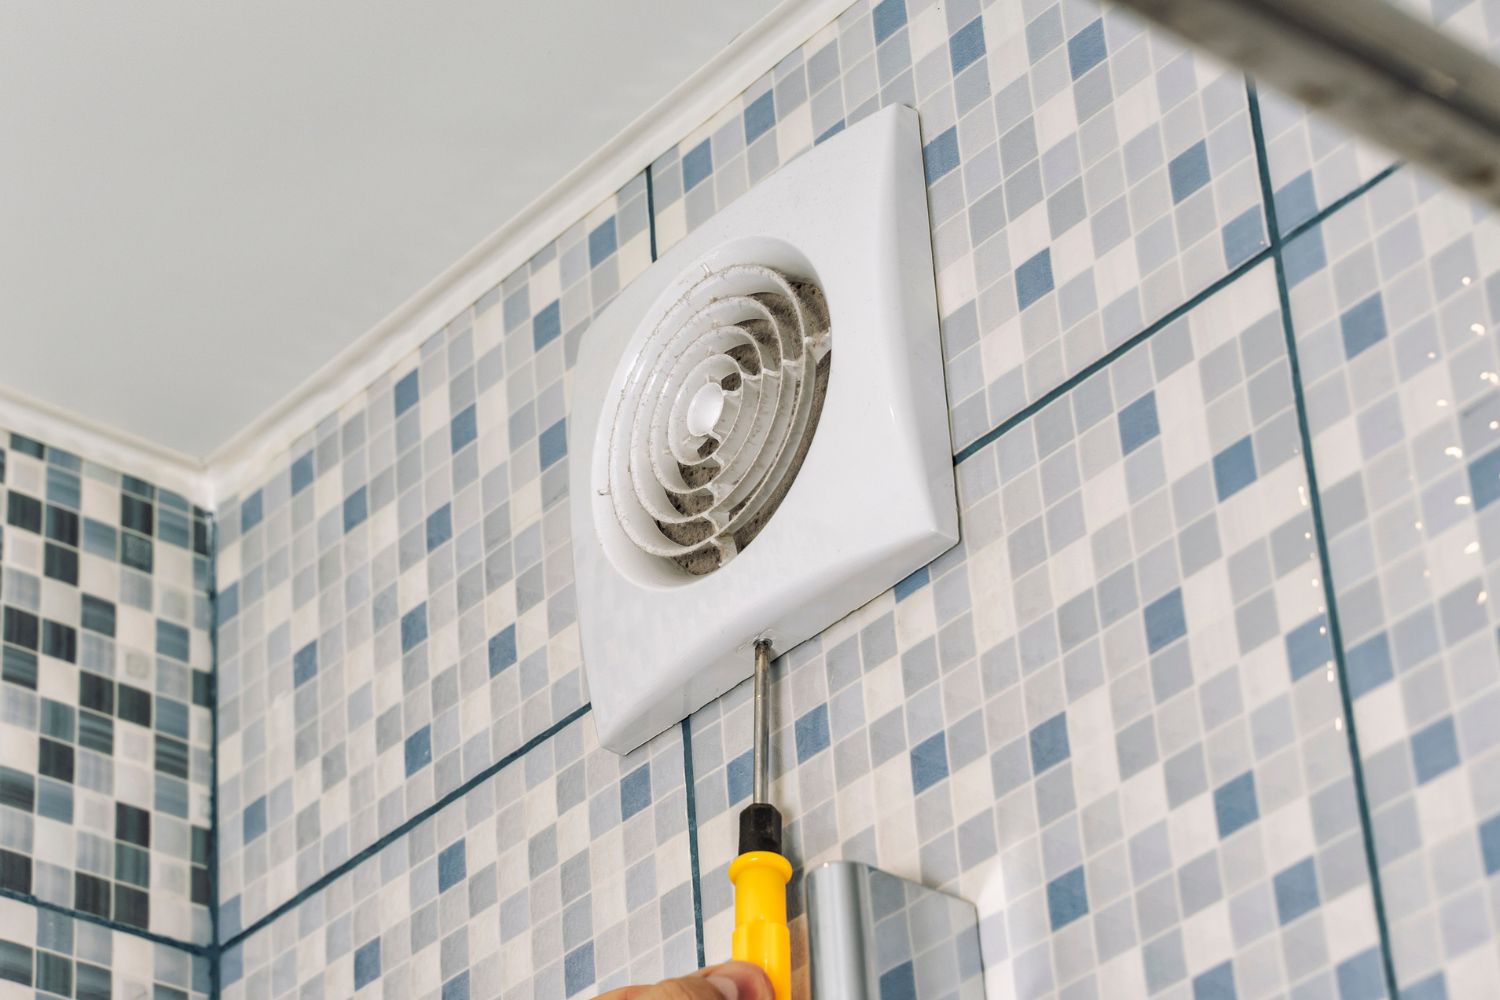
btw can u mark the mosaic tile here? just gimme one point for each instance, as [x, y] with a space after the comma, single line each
[1108, 717]
[565, 874]
[1396, 317]
[105, 690]
[397, 609]
[43, 953]
[1085, 175]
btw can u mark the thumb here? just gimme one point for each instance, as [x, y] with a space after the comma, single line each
[739, 981]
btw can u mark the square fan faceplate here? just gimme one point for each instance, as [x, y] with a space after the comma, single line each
[759, 431]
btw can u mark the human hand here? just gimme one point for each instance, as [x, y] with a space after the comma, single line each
[730, 981]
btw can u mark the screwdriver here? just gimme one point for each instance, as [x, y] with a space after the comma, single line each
[761, 872]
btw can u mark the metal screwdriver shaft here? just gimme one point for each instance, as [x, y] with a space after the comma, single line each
[761, 756]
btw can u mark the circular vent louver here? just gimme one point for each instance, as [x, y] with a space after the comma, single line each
[717, 413]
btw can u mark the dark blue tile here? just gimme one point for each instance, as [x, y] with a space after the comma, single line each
[602, 242]
[1244, 236]
[1434, 750]
[547, 326]
[697, 165]
[232, 965]
[1484, 479]
[760, 116]
[356, 508]
[1489, 844]
[1296, 890]
[1166, 622]
[367, 963]
[414, 627]
[578, 969]
[1138, 423]
[502, 649]
[1234, 468]
[457, 988]
[251, 511]
[1361, 977]
[1235, 803]
[1215, 984]
[1296, 201]
[888, 17]
[254, 819]
[812, 733]
[452, 866]
[635, 791]
[1049, 743]
[940, 156]
[1369, 665]
[552, 444]
[439, 526]
[305, 664]
[1188, 170]
[1363, 326]
[737, 776]
[1067, 898]
[1034, 279]
[911, 584]
[929, 763]
[899, 983]
[967, 45]
[408, 392]
[1434, 987]
[830, 132]
[172, 641]
[1302, 256]
[1308, 647]
[465, 429]
[1086, 49]
[418, 750]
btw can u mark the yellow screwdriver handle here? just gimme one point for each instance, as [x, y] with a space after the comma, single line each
[761, 936]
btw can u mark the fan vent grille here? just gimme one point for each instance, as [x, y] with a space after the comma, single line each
[717, 413]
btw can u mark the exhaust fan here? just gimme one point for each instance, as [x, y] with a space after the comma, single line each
[759, 433]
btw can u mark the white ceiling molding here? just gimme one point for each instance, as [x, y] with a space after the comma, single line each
[240, 462]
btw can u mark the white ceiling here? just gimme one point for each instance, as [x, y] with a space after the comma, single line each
[201, 203]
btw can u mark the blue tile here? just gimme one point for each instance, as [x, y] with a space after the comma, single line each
[1234, 468]
[1166, 622]
[414, 628]
[230, 923]
[1235, 804]
[502, 649]
[232, 965]
[697, 165]
[1363, 326]
[1188, 170]
[929, 763]
[303, 473]
[251, 511]
[1434, 750]
[367, 963]
[1302, 256]
[547, 326]
[1138, 423]
[1296, 201]
[171, 641]
[305, 664]
[888, 17]
[1087, 49]
[1243, 236]
[1489, 844]
[1484, 479]
[255, 819]
[1368, 665]
[356, 508]
[464, 430]
[452, 866]
[439, 526]
[812, 733]
[1215, 984]
[966, 45]
[830, 132]
[1067, 898]
[457, 988]
[1434, 987]
[418, 750]
[1034, 279]
[1361, 977]
[760, 116]
[899, 983]
[737, 775]
[602, 242]
[635, 791]
[1049, 743]
[1308, 647]
[911, 584]
[940, 156]
[408, 391]
[578, 969]
[552, 444]
[1296, 890]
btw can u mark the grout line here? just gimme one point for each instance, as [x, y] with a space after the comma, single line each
[1320, 534]
[692, 822]
[202, 951]
[421, 817]
[213, 756]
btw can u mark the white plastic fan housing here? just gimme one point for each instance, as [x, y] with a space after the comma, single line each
[758, 442]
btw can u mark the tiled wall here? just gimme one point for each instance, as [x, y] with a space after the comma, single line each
[1201, 705]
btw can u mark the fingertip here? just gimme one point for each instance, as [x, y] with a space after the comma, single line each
[740, 981]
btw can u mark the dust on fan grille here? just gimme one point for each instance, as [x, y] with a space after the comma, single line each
[717, 413]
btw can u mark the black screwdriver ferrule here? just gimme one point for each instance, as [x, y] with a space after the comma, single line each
[760, 828]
